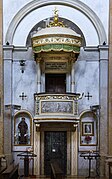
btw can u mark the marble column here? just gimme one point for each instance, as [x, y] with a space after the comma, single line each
[73, 77]
[1, 84]
[38, 76]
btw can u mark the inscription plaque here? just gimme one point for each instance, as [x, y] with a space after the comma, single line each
[56, 66]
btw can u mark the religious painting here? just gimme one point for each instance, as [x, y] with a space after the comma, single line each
[88, 131]
[22, 131]
[87, 128]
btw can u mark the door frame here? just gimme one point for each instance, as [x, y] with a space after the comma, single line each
[72, 148]
[64, 152]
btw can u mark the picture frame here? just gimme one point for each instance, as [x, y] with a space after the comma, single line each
[87, 128]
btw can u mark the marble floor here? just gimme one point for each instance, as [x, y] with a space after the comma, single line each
[68, 177]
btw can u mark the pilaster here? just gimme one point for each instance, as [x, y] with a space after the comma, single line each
[110, 84]
[8, 97]
[109, 157]
[103, 99]
[74, 153]
[1, 83]
[36, 151]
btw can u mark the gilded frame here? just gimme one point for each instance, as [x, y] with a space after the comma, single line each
[87, 128]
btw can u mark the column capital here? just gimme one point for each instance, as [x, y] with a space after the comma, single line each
[104, 51]
[38, 59]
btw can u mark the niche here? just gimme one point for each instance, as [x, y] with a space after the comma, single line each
[22, 128]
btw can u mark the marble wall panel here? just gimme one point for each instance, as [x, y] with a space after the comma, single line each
[89, 54]
[23, 53]
[7, 135]
[7, 81]
[87, 80]
[24, 82]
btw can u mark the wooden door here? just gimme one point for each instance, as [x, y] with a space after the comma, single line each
[55, 147]
[55, 83]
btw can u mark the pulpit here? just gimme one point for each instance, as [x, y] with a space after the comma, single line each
[26, 157]
[91, 156]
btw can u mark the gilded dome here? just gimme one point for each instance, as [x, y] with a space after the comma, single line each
[56, 31]
[56, 37]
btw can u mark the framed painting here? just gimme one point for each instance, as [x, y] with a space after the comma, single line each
[88, 128]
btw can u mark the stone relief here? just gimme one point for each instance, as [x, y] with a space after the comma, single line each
[56, 107]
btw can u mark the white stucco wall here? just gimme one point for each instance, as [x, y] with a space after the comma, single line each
[12, 7]
[101, 8]
[69, 13]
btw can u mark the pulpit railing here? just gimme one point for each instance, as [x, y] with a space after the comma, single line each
[56, 105]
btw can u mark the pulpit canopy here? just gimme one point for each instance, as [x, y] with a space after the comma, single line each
[56, 38]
